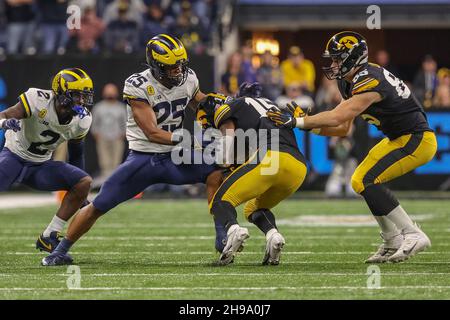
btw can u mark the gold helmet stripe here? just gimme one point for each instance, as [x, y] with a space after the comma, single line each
[80, 72]
[171, 40]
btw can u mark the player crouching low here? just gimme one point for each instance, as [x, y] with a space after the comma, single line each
[272, 173]
[35, 126]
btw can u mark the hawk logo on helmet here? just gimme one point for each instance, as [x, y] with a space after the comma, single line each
[348, 41]
[347, 50]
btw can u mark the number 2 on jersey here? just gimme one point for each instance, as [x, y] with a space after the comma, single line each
[35, 147]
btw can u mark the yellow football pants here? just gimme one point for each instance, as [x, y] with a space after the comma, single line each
[262, 185]
[390, 159]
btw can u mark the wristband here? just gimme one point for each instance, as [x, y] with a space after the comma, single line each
[300, 122]
[177, 136]
[316, 130]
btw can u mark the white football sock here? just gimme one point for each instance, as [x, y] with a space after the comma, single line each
[387, 227]
[57, 224]
[270, 233]
[401, 219]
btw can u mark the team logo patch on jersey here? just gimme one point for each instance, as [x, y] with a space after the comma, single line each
[150, 90]
[42, 113]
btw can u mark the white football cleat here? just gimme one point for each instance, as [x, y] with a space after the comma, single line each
[236, 237]
[414, 242]
[274, 245]
[386, 249]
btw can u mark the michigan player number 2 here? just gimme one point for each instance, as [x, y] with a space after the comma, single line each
[36, 147]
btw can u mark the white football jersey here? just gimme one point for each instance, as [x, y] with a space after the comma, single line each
[168, 105]
[41, 132]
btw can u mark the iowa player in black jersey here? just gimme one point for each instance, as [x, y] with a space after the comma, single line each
[274, 171]
[385, 101]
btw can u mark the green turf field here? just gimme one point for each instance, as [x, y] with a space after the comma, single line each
[165, 250]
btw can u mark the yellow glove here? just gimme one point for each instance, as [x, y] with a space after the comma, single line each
[296, 110]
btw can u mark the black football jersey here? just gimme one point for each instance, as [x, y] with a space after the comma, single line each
[250, 113]
[399, 112]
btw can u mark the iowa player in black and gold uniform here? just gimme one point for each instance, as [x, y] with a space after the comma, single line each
[271, 174]
[385, 101]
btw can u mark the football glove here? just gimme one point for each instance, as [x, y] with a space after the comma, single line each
[10, 124]
[286, 117]
[296, 110]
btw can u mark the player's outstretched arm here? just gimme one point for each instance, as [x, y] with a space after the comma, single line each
[341, 130]
[345, 111]
[146, 120]
[9, 119]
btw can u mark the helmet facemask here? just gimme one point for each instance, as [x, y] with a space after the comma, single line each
[79, 102]
[162, 72]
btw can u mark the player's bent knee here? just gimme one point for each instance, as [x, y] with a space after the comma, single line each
[83, 186]
[249, 208]
[357, 183]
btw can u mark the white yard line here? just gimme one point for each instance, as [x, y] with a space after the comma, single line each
[149, 238]
[106, 253]
[300, 288]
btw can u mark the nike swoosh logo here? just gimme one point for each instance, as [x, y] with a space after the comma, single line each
[47, 246]
[409, 251]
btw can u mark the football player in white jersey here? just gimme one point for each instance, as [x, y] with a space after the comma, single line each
[35, 126]
[156, 101]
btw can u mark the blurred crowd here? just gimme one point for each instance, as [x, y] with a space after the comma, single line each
[295, 77]
[119, 26]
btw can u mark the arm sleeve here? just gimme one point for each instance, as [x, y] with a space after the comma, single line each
[76, 153]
